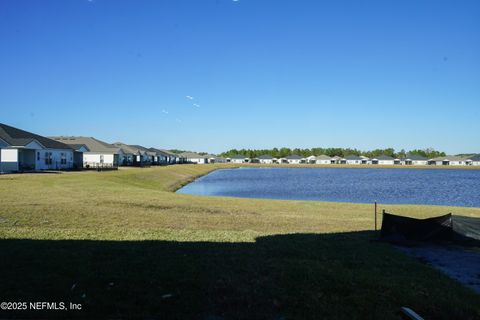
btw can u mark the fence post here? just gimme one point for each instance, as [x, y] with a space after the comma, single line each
[375, 215]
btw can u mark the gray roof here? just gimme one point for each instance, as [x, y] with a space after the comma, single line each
[191, 155]
[323, 157]
[239, 156]
[128, 149]
[383, 157]
[77, 147]
[265, 157]
[450, 158]
[166, 152]
[336, 158]
[92, 144]
[475, 157]
[143, 149]
[20, 138]
[353, 157]
[415, 157]
[162, 152]
[294, 157]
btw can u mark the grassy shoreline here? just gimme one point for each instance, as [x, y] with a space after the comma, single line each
[215, 256]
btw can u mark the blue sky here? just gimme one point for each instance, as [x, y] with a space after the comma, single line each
[362, 74]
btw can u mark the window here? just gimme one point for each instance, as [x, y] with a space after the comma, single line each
[101, 158]
[63, 158]
[38, 156]
[48, 158]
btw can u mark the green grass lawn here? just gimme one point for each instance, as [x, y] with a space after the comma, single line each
[123, 244]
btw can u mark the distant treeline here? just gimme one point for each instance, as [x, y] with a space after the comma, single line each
[341, 152]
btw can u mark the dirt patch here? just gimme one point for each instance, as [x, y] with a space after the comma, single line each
[459, 263]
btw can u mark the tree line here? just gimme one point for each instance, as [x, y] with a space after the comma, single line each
[341, 152]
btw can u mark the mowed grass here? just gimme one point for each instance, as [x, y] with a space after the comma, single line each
[124, 245]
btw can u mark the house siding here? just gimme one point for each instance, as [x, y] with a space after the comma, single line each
[386, 162]
[354, 162]
[53, 159]
[98, 159]
[237, 161]
[419, 162]
[294, 161]
[8, 160]
[266, 161]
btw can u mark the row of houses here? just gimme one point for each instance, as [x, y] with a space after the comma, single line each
[414, 160]
[25, 151]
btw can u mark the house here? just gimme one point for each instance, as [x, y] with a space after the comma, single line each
[163, 156]
[149, 155]
[100, 155]
[323, 159]
[217, 160]
[415, 160]
[353, 160]
[265, 159]
[131, 156]
[171, 157]
[294, 159]
[311, 159]
[383, 160]
[336, 160]
[210, 157]
[24, 151]
[239, 159]
[449, 161]
[475, 160]
[193, 157]
[78, 151]
[366, 160]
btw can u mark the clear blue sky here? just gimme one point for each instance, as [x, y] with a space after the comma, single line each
[265, 73]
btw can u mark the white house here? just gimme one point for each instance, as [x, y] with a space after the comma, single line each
[294, 159]
[163, 157]
[239, 159]
[475, 160]
[383, 160]
[217, 160]
[25, 151]
[150, 157]
[336, 160]
[101, 154]
[78, 151]
[353, 160]
[194, 157]
[415, 160]
[323, 159]
[266, 159]
[449, 161]
[311, 159]
[171, 157]
[131, 155]
[366, 160]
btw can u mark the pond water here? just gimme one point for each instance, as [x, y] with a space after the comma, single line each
[388, 186]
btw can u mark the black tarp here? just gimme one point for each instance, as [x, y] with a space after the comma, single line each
[445, 228]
